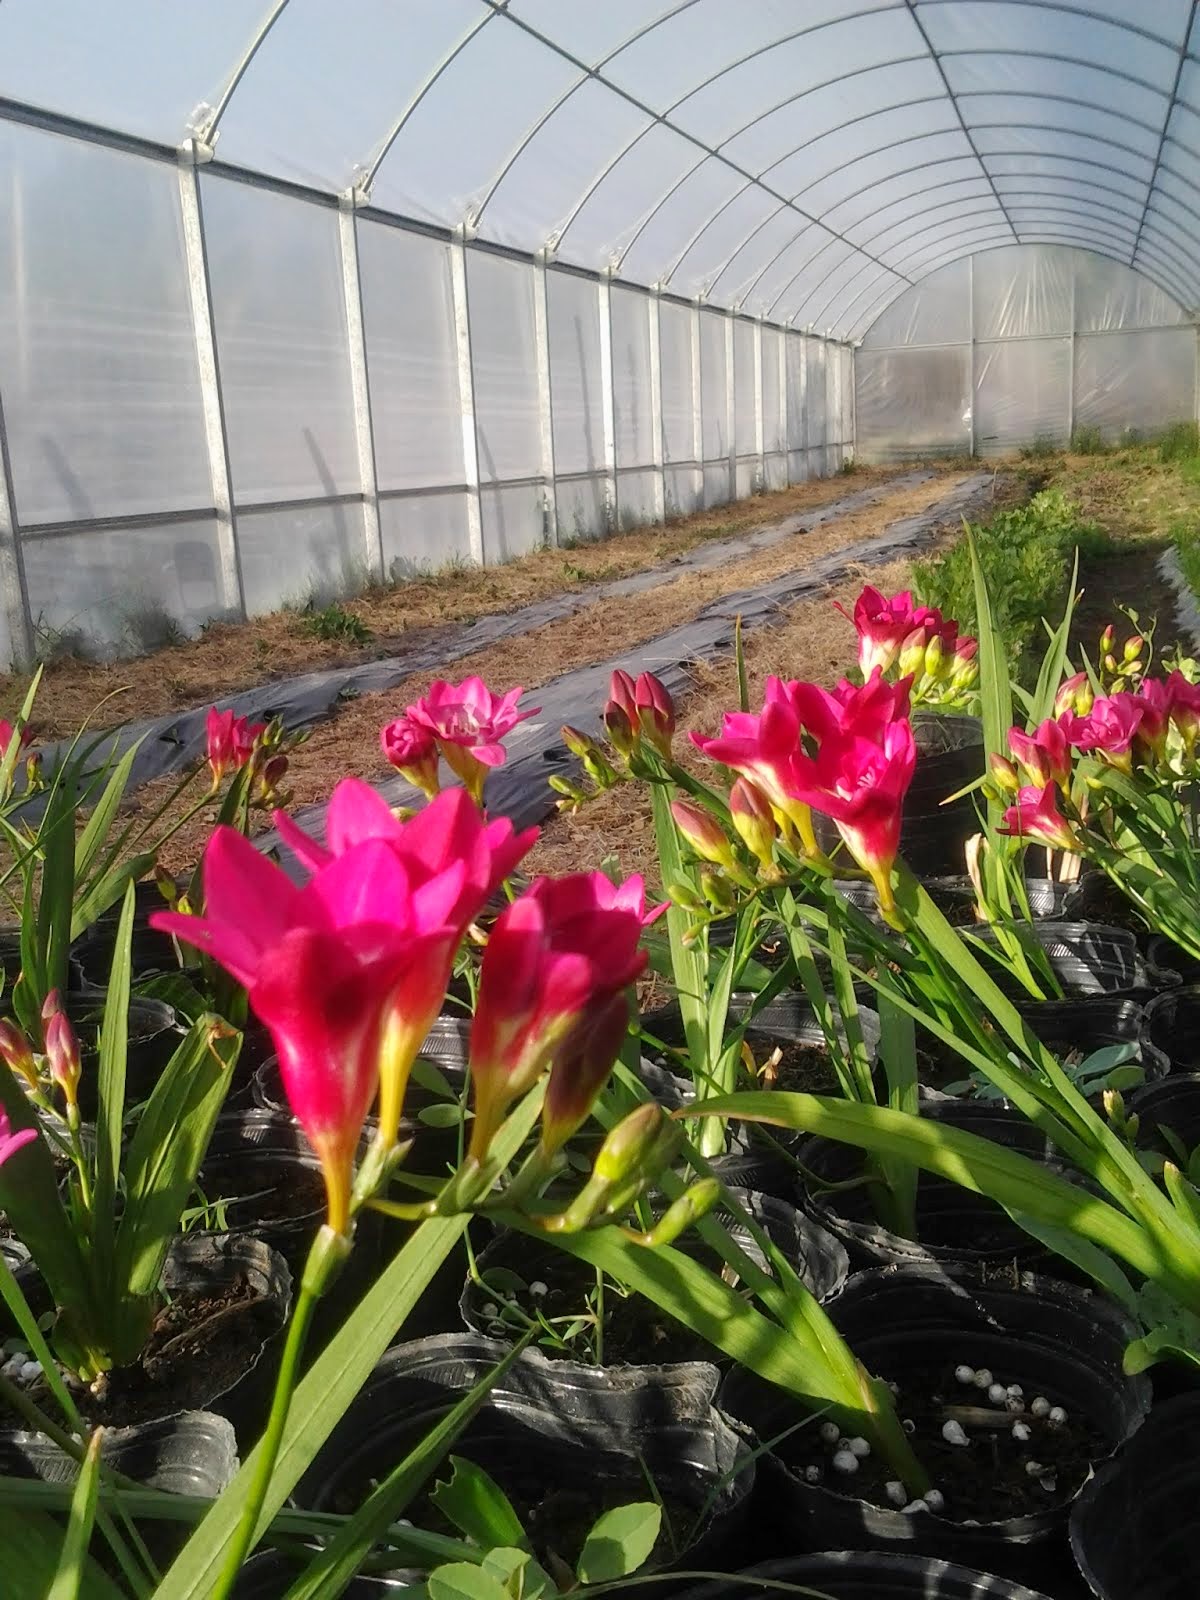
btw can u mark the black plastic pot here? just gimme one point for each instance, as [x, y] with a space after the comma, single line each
[1094, 1023]
[1133, 1529]
[29, 1280]
[1094, 897]
[549, 1432]
[153, 1038]
[1089, 958]
[955, 898]
[152, 951]
[192, 1453]
[1165, 953]
[239, 1387]
[914, 1325]
[954, 1225]
[862, 1575]
[1171, 1026]
[818, 1258]
[1172, 1104]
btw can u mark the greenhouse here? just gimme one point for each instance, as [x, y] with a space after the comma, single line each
[599, 764]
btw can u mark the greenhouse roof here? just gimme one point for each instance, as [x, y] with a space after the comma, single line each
[800, 160]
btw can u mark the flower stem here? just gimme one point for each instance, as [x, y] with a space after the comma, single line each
[328, 1252]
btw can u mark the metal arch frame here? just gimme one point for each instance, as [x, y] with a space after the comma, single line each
[205, 135]
[664, 116]
[819, 283]
[956, 108]
[875, 308]
[1059, 194]
[1170, 253]
[914, 194]
[1086, 12]
[1172, 102]
[370, 168]
[1048, 235]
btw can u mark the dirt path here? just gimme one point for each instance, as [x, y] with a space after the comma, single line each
[227, 658]
[350, 743]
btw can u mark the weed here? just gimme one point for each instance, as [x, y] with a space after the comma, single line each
[1041, 449]
[335, 624]
[848, 467]
[1180, 442]
[1026, 555]
[1088, 441]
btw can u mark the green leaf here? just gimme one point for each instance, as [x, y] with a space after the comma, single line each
[508, 1564]
[30, 1547]
[739, 655]
[114, 1041]
[620, 1542]
[332, 1381]
[432, 1079]
[478, 1507]
[459, 1580]
[91, 840]
[72, 1562]
[107, 890]
[443, 1116]
[1173, 1331]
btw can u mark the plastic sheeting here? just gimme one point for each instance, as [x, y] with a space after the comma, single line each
[1018, 345]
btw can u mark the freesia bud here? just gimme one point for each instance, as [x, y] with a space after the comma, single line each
[17, 1053]
[166, 885]
[622, 692]
[656, 712]
[912, 653]
[1114, 1107]
[231, 741]
[411, 748]
[1107, 639]
[702, 831]
[1110, 663]
[1133, 647]
[1005, 774]
[622, 733]
[681, 1214]
[581, 1070]
[1074, 695]
[62, 1054]
[934, 657]
[754, 820]
[626, 1149]
[683, 895]
[718, 891]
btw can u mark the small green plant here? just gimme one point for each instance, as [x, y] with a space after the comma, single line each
[1026, 554]
[1041, 449]
[1088, 441]
[848, 467]
[1179, 442]
[335, 624]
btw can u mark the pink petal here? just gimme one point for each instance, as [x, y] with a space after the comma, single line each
[307, 851]
[369, 884]
[357, 812]
[245, 892]
[225, 944]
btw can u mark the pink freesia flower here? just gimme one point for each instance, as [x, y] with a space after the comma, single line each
[1035, 814]
[1043, 755]
[655, 712]
[1185, 708]
[448, 844]
[859, 776]
[412, 750]
[1074, 695]
[1109, 728]
[231, 742]
[883, 625]
[351, 968]
[555, 960]
[1156, 698]
[7, 733]
[11, 1142]
[469, 722]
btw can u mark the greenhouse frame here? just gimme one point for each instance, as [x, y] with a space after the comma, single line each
[295, 296]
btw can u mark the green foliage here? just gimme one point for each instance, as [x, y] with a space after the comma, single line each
[1025, 559]
[1088, 441]
[335, 624]
[1041, 449]
[1180, 441]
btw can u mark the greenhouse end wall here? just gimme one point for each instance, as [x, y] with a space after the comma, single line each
[221, 397]
[1018, 346]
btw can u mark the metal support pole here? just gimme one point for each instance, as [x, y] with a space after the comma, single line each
[971, 386]
[854, 402]
[657, 435]
[466, 395]
[697, 401]
[730, 408]
[608, 411]
[1071, 385]
[13, 592]
[805, 430]
[785, 437]
[541, 341]
[364, 434]
[233, 595]
[761, 471]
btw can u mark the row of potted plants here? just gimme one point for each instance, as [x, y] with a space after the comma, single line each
[857, 1259]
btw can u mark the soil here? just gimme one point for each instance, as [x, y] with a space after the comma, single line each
[986, 1480]
[804, 1068]
[260, 1189]
[200, 1346]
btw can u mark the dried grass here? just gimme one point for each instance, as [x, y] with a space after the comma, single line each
[228, 657]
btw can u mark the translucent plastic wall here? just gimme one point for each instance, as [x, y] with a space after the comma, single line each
[220, 398]
[1021, 345]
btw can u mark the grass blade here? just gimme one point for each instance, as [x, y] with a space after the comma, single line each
[70, 1578]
